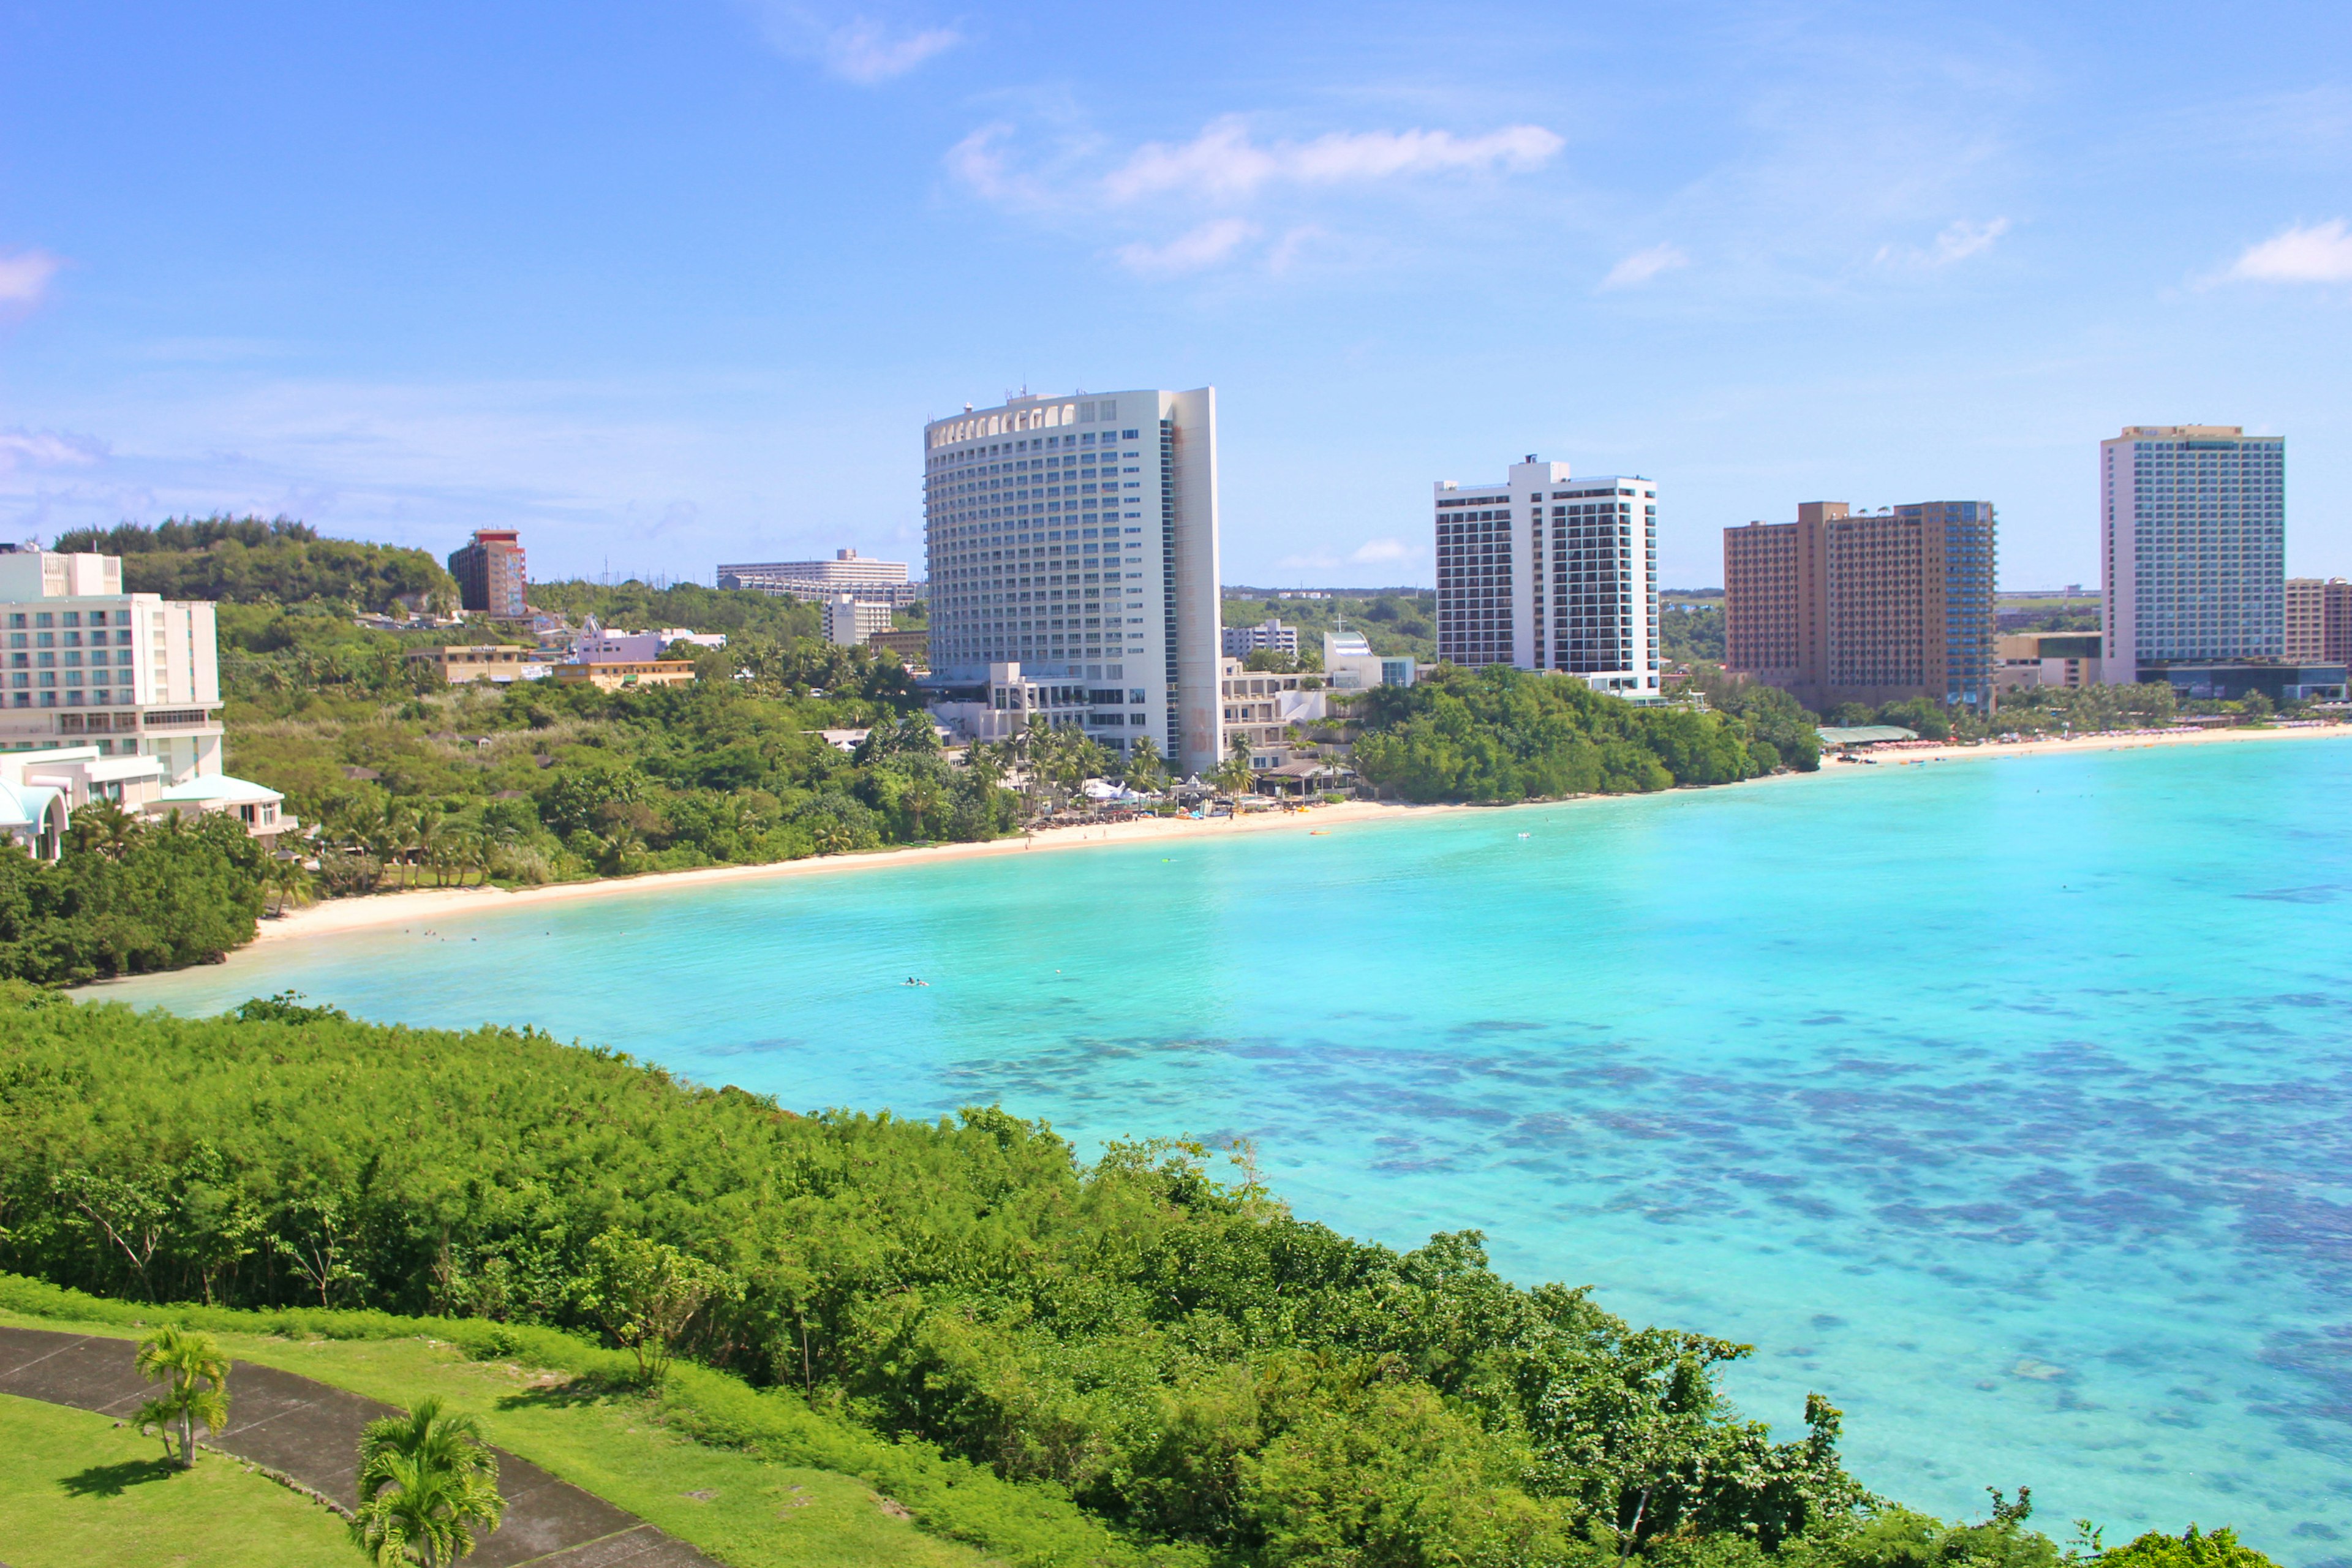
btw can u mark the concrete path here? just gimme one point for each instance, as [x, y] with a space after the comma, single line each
[311, 1432]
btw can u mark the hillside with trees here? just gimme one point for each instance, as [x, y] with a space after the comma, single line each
[1497, 734]
[247, 561]
[1140, 1344]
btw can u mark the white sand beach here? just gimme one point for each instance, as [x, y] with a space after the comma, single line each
[435, 903]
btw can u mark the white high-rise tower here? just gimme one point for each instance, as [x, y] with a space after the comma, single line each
[1077, 538]
[1545, 572]
[2193, 534]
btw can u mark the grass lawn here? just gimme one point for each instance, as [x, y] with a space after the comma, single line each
[741, 1510]
[78, 1492]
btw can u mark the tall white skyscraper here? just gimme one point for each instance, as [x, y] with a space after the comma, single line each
[1547, 572]
[2193, 519]
[1076, 537]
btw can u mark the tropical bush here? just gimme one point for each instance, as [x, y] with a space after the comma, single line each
[246, 559]
[128, 896]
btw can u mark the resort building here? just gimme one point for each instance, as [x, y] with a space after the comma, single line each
[1263, 709]
[1545, 572]
[850, 620]
[1072, 547]
[859, 576]
[110, 696]
[2024, 659]
[2318, 620]
[489, 572]
[1870, 607]
[593, 645]
[1351, 664]
[1273, 636]
[2193, 550]
[492, 662]
[913, 645]
[130, 674]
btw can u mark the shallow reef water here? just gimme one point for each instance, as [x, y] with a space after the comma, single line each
[2008, 1103]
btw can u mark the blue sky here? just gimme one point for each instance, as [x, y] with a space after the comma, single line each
[670, 284]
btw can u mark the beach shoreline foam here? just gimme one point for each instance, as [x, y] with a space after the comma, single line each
[339, 915]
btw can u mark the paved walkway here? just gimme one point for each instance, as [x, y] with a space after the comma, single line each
[311, 1432]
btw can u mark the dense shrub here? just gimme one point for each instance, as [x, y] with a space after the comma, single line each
[128, 896]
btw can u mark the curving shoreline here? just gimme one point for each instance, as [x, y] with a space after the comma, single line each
[431, 903]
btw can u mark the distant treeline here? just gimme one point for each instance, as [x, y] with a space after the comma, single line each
[249, 561]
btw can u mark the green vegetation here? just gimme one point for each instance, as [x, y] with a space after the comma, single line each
[426, 1483]
[411, 780]
[1393, 620]
[1504, 734]
[247, 561]
[1053, 1361]
[80, 1491]
[1690, 630]
[128, 896]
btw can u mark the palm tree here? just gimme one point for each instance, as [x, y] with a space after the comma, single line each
[1233, 778]
[289, 882]
[923, 794]
[193, 1371]
[1145, 770]
[426, 1480]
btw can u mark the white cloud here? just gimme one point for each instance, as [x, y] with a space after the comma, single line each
[1288, 250]
[25, 276]
[1205, 246]
[1311, 560]
[1644, 265]
[1374, 551]
[1960, 240]
[863, 50]
[45, 449]
[2321, 253]
[1223, 164]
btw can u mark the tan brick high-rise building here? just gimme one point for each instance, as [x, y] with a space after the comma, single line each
[2318, 620]
[1877, 607]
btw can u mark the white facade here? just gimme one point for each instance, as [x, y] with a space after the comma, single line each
[1242, 641]
[2193, 529]
[129, 674]
[1547, 572]
[1077, 538]
[1351, 664]
[884, 582]
[850, 620]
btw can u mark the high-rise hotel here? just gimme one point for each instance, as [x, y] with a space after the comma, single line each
[1072, 554]
[1545, 572]
[2192, 523]
[1869, 607]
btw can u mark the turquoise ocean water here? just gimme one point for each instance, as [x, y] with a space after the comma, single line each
[2007, 1103]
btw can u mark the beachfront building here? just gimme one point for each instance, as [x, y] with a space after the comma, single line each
[1868, 607]
[1263, 710]
[2193, 550]
[1548, 572]
[489, 572]
[2318, 620]
[1272, 636]
[861, 578]
[110, 696]
[2026, 659]
[1072, 548]
[1351, 664]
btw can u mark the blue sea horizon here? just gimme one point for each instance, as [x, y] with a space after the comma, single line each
[2005, 1103]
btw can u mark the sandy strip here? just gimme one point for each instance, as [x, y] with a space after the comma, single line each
[434, 903]
[2118, 741]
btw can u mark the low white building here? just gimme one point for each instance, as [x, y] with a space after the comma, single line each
[596, 645]
[1263, 707]
[1242, 641]
[1351, 664]
[1000, 707]
[41, 789]
[850, 620]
